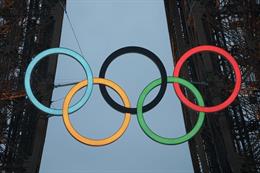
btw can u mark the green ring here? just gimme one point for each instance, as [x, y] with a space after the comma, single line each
[154, 136]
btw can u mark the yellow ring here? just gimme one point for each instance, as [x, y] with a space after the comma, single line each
[89, 141]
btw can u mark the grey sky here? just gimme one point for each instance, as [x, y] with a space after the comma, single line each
[102, 27]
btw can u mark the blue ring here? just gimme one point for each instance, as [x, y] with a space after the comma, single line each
[74, 55]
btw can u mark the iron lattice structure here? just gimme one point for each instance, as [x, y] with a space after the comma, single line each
[26, 28]
[230, 139]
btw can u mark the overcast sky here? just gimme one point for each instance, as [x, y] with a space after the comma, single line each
[103, 26]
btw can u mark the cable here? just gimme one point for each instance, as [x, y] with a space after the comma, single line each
[71, 26]
[65, 84]
[77, 40]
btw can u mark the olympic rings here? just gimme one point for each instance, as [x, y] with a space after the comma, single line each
[148, 54]
[95, 142]
[154, 136]
[225, 54]
[44, 54]
[126, 109]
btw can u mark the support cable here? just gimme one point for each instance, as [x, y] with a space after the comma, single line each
[71, 26]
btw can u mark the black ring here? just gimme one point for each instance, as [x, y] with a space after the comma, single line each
[150, 55]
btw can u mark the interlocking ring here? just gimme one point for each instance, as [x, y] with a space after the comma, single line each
[146, 53]
[228, 57]
[126, 107]
[96, 142]
[158, 138]
[71, 54]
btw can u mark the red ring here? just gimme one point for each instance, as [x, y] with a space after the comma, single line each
[228, 57]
